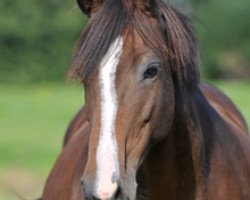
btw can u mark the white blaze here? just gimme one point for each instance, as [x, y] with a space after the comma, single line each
[107, 156]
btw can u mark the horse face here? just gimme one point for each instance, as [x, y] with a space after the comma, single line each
[130, 105]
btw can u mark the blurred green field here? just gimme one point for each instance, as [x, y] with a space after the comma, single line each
[33, 119]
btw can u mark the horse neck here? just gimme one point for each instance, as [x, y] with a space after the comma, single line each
[180, 162]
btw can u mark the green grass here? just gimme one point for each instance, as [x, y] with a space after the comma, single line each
[239, 92]
[33, 120]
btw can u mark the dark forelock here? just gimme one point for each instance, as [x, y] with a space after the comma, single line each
[173, 38]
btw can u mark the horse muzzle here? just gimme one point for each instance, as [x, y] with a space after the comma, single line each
[89, 192]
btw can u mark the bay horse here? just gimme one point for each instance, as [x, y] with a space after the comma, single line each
[150, 129]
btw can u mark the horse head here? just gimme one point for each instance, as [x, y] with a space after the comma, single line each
[136, 59]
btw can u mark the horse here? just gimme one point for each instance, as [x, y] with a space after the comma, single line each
[150, 129]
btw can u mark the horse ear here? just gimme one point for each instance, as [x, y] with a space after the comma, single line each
[86, 6]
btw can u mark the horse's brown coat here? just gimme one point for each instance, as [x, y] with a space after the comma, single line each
[179, 138]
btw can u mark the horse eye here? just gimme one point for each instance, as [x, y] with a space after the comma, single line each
[151, 71]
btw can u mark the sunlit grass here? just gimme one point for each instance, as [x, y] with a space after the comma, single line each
[33, 120]
[239, 92]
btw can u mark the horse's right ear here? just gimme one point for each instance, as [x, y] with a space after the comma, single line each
[86, 6]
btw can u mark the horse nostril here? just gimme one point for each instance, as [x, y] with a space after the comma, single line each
[87, 188]
[95, 198]
[82, 182]
[117, 193]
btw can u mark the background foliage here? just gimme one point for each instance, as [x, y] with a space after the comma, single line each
[37, 38]
[224, 35]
